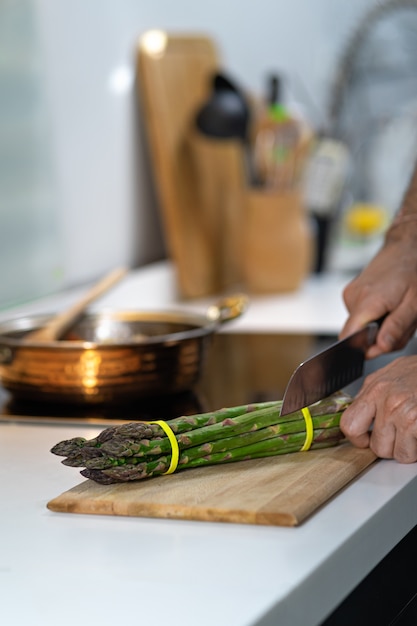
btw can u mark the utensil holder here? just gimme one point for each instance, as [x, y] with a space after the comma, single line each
[221, 233]
[260, 239]
[277, 241]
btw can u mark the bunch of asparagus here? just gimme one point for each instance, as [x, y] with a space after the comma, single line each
[140, 450]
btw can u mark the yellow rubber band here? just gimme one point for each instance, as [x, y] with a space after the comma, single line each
[174, 445]
[309, 429]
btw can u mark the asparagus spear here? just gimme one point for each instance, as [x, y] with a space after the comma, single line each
[141, 439]
[322, 438]
[139, 450]
[142, 431]
[100, 458]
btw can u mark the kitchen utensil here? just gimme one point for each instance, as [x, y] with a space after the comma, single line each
[58, 325]
[112, 356]
[226, 114]
[329, 370]
[279, 491]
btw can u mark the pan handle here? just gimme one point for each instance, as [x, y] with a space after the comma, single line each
[228, 308]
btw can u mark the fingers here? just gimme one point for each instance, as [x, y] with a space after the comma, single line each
[396, 330]
[356, 422]
[384, 414]
[363, 306]
[396, 438]
[400, 325]
[405, 449]
[389, 338]
[385, 341]
[388, 285]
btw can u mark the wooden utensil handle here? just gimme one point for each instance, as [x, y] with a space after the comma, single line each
[63, 321]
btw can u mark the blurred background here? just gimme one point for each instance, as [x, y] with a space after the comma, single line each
[76, 191]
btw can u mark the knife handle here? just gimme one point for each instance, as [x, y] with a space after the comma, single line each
[373, 332]
[381, 319]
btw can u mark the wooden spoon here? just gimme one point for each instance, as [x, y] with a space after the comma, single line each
[62, 322]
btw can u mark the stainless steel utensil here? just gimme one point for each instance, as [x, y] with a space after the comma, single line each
[113, 356]
[329, 370]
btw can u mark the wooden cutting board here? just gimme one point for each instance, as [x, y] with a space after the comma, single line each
[276, 491]
[173, 82]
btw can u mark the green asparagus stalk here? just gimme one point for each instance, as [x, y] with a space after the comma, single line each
[100, 458]
[126, 440]
[139, 450]
[276, 432]
[322, 438]
[142, 431]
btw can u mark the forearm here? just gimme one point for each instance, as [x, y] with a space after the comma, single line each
[405, 222]
[409, 202]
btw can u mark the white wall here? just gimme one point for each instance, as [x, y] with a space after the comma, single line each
[103, 197]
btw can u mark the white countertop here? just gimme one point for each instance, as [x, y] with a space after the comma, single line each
[64, 569]
[316, 307]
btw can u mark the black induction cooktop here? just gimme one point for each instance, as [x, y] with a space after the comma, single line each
[238, 369]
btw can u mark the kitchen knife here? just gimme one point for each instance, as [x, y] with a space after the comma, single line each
[329, 370]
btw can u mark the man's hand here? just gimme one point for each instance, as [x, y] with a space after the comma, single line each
[388, 401]
[388, 285]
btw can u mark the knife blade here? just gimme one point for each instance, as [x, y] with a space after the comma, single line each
[329, 370]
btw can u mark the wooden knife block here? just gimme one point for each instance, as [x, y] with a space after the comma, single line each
[221, 234]
[259, 239]
[277, 242]
[219, 179]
